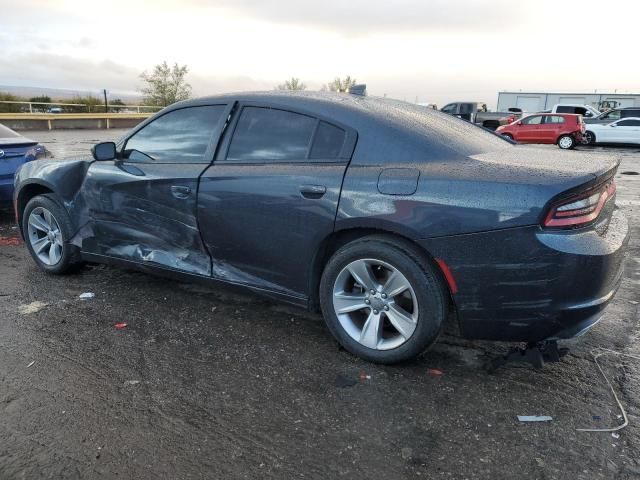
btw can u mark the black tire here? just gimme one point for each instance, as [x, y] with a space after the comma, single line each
[508, 136]
[70, 256]
[589, 137]
[424, 278]
[566, 142]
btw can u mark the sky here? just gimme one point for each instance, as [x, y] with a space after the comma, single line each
[426, 50]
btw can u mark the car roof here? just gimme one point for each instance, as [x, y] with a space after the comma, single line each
[547, 112]
[379, 121]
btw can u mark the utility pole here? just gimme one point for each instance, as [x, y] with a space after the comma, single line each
[106, 106]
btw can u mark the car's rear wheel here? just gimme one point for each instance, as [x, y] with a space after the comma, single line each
[47, 230]
[382, 300]
[566, 142]
[589, 138]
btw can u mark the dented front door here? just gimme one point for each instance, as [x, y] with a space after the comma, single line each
[142, 207]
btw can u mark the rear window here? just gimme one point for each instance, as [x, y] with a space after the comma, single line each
[328, 142]
[268, 134]
[7, 132]
[554, 119]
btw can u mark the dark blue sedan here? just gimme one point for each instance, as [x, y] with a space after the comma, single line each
[388, 217]
[15, 150]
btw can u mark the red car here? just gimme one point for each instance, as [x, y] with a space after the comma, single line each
[563, 129]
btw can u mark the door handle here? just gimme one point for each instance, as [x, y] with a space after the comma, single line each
[313, 191]
[180, 191]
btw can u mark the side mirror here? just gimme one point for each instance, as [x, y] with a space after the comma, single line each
[613, 125]
[104, 151]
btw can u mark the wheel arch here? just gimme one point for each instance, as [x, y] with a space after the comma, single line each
[26, 193]
[334, 241]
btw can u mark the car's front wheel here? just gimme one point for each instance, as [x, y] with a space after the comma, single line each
[47, 229]
[566, 142]
[382, 300]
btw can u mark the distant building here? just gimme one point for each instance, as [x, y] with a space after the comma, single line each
[539, 101]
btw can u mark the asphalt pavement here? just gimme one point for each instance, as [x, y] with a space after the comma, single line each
[209, 383]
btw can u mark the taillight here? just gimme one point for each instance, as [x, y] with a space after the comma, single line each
[581, 209]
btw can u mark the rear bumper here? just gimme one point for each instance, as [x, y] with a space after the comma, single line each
[527, 284]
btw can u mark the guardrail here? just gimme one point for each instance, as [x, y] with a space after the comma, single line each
[53, 121]
[96, 108]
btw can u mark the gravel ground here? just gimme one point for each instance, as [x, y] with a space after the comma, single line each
[207, 383]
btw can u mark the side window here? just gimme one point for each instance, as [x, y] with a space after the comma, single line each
[612, 116]
[451, 108]
[328, 142]
[561, 109]
[628, 113]
[180, 136]
[268, 134]
[629, 123]
[533, 120]
[466, 108]
[554, 119]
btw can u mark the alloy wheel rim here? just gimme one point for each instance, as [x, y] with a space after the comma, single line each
[45, 236]
[565, 142]
[375, 304]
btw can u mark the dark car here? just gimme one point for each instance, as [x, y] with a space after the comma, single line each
[385, 215]
[15, 150]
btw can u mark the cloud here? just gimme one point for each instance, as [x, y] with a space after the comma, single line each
[361, 17]
[67, 72]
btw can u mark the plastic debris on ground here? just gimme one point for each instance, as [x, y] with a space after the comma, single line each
[364, 376]
[596, 354]
[435, 372]
[120, 325]
[131, 382]
[615, 435]
[31, 364]
[534, 418]
[33, 307]
[87, 295]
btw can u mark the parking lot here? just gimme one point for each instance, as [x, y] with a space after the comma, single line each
[210, 383]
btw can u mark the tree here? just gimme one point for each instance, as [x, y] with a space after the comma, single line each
[340, 85]
[165, 85]
[114, 105]
[10, 107]
[40, 99]
[292, 84]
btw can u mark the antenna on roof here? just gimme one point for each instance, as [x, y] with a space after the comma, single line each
[360, 89]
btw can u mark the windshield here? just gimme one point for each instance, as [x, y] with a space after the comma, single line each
[7, 132]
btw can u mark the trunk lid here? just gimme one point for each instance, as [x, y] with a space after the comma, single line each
[553, 170]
